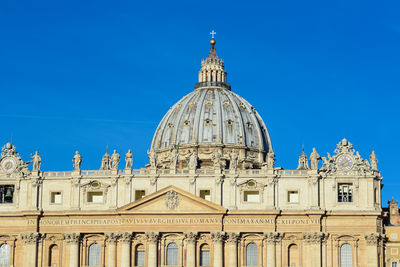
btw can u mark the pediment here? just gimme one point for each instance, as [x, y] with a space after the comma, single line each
[172, 200]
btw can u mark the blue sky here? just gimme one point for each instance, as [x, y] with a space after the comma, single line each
[87, 74]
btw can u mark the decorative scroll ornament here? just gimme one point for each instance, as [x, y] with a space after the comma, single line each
[172, 200]
[11, 162]
[30, 238]
[313, 237]
[232, 238]
[72, 238]
[126, 237]
[112, 238]
[346, 161]
[372, 238]
[218, 236]
[272, 237]
[152, 237]
[191, 237]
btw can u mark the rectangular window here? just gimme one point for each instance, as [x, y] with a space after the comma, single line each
[95, 197]
[345, 193]
[139, 258]
[55, 197]
[139, 194]
[293, 196]
[205, 194]
[6, 194]
[251, 196]
[205, 258]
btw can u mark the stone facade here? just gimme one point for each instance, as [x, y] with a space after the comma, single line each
[199, 202]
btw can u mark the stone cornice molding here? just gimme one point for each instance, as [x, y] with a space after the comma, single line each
[372, 238]
[112, 238]
[30, 238]
[217, 236]
[190, 237]
[152, 237]
[126, 237]
[232, 238]
[313, 238]
[272, 237]
[72, 238]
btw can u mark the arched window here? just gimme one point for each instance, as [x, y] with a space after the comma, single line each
[204, 255]
[251, 254]
[172, 254]
[346, 256]
[5, 255]
[139, 255]
[94, 255]
[293, 255]
[54, 256]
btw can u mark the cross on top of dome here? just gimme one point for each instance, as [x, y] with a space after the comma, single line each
[212, 72]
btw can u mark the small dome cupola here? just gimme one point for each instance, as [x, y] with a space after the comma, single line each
[212, 72]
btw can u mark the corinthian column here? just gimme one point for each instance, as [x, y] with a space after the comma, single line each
[111, 239]
[72, 240]
[191, 249]
[372, 240]
[152, 255]
[232, 239]
[30, 248]
[218, 240]
[313, 240]
[125, 249]
[271, 239]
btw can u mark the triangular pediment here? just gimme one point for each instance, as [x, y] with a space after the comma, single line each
[172, 200]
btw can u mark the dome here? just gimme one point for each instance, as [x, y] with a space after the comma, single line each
[211, 118]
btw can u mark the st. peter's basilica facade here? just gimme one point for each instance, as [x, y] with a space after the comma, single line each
[210, 196]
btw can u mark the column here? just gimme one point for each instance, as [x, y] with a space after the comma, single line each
[30, 248]
[152, 253]
[271, 238]
[72, 240]
[324, 250]
[111, 239]
[218, 240]
[313, 251]
[372, 248]
[126, 249]
[190, 239]
[232, 239]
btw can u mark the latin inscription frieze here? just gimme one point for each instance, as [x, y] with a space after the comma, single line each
[174, 220]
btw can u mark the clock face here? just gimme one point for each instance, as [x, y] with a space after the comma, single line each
[8, 165]
[345, 162]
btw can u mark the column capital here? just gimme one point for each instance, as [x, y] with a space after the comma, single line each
[72, 238]
[152, 237]
[372, 238]
[313, 237]
[232, 237]
[217, 236]
[30, 238]
[190, 237]
[126, 237]
[112, 238]
[272, 237]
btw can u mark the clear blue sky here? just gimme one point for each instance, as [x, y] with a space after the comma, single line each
[84, 74]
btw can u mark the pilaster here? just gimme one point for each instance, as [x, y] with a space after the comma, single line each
[218, 239]
[30, 241]
[111, 239]
[152, 255]
[231, 240]
[72, 240]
